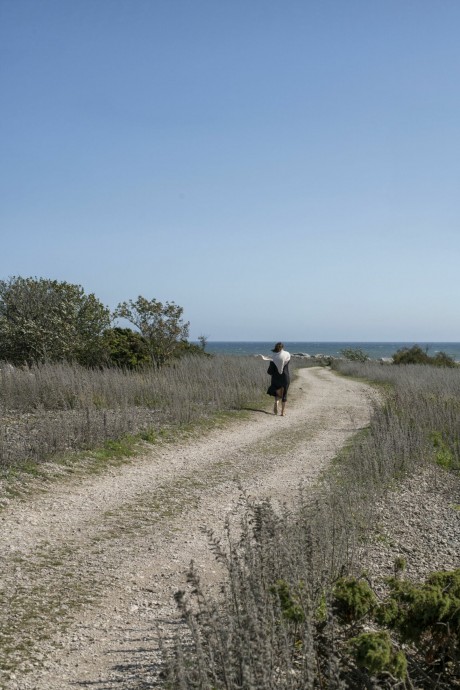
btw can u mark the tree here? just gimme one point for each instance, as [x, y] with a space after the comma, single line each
[160, 324]
[203, 340]
[48, 320]
[126, 348]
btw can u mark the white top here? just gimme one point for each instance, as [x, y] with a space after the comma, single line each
[279, 358]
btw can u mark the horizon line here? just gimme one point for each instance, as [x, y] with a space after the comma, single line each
[292, 340]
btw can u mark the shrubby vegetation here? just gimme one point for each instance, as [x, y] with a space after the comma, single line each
[375, 654]
[415, 355]
[128, 349]
[125, 348]
[294, 612]
[354, 354]
[406, 355]
[426, 614]
[44, 320]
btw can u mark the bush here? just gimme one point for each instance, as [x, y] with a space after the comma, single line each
[160, 324]
[441, 359]
[415, 355]
[353, 599]
[354, 354]
[125, 348]
[412, 355]
[427, 614]
[375, 653]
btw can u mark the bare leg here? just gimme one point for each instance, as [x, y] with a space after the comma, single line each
[279, 394]
[283, 401]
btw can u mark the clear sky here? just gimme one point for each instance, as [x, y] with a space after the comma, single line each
[281, 169]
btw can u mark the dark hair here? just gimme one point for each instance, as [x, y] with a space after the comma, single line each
[278, 347]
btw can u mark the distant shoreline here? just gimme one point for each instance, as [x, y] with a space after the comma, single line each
[374, 349]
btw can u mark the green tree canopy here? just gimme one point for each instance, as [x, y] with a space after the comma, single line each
[48, 320]
[126, 348]
[160, 324]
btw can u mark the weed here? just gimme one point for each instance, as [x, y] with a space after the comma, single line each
[352, 599]
[375, 653]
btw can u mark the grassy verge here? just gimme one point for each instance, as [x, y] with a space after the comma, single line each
[60, 420]
[50, 409]
[56, 420]
[29, 476]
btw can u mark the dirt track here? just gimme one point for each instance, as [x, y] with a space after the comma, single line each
[89, 568]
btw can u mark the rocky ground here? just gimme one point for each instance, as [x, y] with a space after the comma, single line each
[418, 521]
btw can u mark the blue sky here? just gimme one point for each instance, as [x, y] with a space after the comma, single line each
[282, 170]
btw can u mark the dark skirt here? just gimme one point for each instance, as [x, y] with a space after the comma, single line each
[278, 380]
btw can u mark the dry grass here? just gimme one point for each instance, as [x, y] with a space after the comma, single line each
[50, 408]
[421, 418]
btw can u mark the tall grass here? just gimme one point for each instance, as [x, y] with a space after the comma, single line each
[274, 625]
[259, 634]
[421, 417]
[49, 408]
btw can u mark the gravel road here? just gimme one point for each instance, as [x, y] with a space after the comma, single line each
[90, 566]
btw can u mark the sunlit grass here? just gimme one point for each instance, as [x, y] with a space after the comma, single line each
[50, 409]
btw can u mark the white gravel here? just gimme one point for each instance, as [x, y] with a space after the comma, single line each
[420, 522]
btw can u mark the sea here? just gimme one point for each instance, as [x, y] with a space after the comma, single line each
[374, 350]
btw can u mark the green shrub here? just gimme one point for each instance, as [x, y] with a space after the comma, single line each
[427, 614]
[354, 354]
[375, 653]
[411, 355]
[126, 348]
[160, 324]
[441, 359]
[184, 348]
[289, 603]
[352, 599]
[415, 355]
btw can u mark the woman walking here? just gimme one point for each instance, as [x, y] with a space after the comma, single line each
[279, 371]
